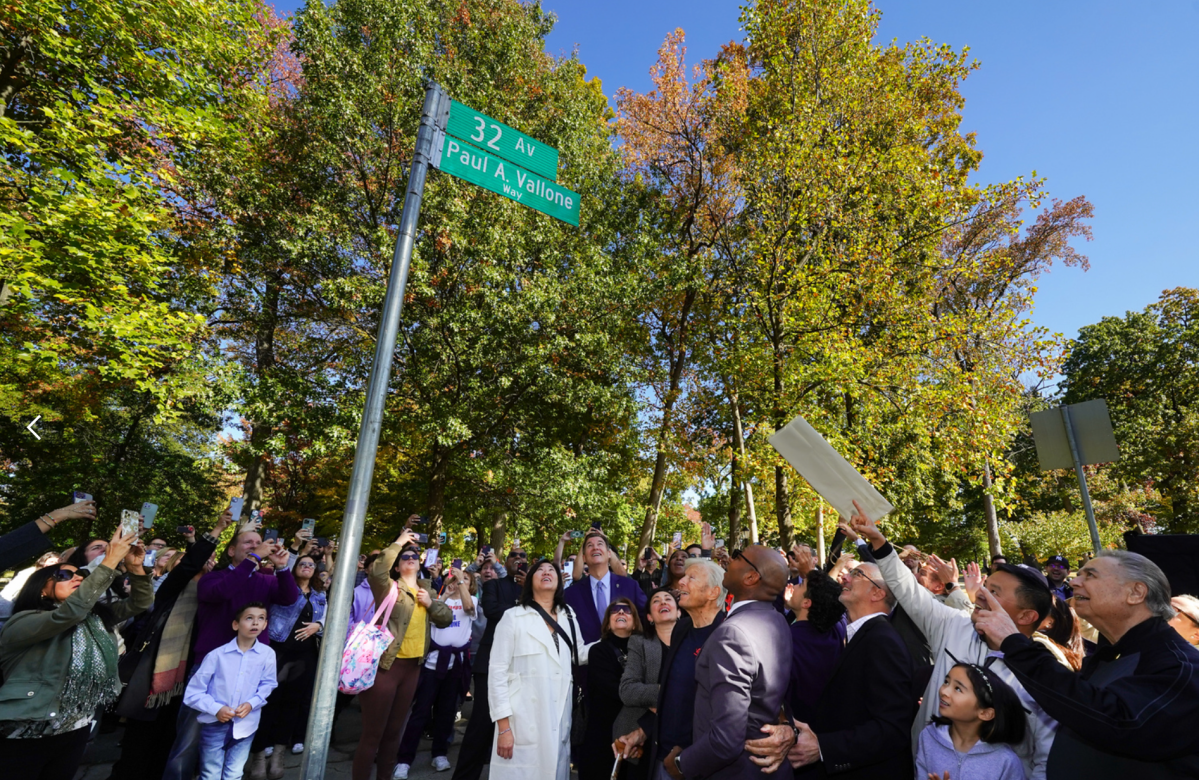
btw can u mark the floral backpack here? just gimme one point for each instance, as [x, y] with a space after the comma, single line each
[364, 648]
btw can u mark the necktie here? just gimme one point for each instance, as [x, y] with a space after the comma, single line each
[601, 600]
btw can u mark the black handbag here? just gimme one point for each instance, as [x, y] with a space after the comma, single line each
[578, 711]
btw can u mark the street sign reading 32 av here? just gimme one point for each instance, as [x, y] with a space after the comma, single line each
[503, 141]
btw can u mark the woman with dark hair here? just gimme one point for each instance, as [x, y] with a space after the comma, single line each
[817, 639]
[386, 704]
[59, 659]
[531, 658]
[293, 630]
[1060, 634]
[676, 565]
[606, 663]
[639, 683]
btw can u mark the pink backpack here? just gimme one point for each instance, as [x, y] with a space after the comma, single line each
[364, 648]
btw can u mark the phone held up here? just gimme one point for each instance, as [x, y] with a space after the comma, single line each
[148, 512]
[131, 522]
[576, 534]
[79, 495]
[270, 535]
[309, 525]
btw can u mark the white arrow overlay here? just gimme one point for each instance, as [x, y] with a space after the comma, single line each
[29, 427]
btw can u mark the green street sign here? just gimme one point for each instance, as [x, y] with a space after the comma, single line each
[505, 178]
[499, 139]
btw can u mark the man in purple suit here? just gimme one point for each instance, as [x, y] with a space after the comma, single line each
[590, 596]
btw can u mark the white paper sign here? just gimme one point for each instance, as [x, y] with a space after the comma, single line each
[827, 472]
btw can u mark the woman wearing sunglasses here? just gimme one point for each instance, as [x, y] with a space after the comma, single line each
[385, 705]
[59, 658]
[606, 662]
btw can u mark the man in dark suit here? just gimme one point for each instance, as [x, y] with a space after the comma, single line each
[590, 596]
[497, 597]
[863, 722]
[742, 675]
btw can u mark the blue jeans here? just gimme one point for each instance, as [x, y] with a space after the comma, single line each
[181, 765]
[221, 756]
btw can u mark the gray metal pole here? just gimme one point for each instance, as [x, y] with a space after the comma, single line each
[1082, 479]
[320, 722]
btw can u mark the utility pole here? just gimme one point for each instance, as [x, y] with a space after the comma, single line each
[320, 724]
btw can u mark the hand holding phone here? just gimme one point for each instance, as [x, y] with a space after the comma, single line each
[79, 495]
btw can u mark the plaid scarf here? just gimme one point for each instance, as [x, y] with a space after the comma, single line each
[170, 664]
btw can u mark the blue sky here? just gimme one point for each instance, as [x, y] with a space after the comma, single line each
[1098, 97]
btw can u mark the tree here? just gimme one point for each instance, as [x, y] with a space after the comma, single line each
[1146, 366]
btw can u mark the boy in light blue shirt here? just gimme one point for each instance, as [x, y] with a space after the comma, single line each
[229, 691]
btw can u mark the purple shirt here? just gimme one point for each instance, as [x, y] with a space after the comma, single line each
[224, 591]
[814, 657]
[363, 608]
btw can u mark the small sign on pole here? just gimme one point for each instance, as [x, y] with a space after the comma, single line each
[1076, 435]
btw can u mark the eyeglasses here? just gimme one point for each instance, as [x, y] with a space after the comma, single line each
[409, 556]
[859, 573]
[521, 554]
[311, 565]
[619, 608]
[740, 554]
[66, 575]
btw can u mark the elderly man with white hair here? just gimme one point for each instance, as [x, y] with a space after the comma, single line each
[1132, 711]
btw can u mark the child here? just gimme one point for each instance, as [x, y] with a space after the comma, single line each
[978, 718]
[229, 690]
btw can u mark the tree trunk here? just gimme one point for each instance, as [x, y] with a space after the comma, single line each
[782, 497]
[820, 533]
[678, 361]
[435, 506]
[262, 430]
[989, 509]
[499, 532]
[734, 502]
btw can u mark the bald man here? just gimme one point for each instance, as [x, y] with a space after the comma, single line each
[741, 675]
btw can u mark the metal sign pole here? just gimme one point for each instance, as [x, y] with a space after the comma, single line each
[320, 724]
[1082, 479]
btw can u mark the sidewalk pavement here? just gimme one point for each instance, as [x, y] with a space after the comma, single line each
[106, 749]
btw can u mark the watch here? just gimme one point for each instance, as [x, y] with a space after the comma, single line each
[678, 764]
[949, 586]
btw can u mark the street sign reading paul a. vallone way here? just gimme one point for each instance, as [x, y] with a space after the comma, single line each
[497, 138]
[508, 179]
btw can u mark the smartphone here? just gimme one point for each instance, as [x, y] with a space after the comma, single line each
[422, 538]
[441, 538]
[79, 495]
[184, 530]
[597, 525]
[457, 564]
[649, 553]
[720, 542]
[270, 535]
[151, 556]
[131, 522]
[256, 516]
[148, 512]
[523, 567]
[308, 525]
[322, 541]
[678, 539]
[431, 556]
[576, 534]
[235, 507]
[485, 550]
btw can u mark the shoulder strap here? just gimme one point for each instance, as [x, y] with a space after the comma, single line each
[553, 624]
[387, 604]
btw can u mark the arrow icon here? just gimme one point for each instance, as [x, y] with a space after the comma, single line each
[29, 427]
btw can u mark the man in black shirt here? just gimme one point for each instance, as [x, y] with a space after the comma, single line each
[701, 595]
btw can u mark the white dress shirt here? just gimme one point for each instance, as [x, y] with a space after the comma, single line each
[853, 627]
[595, 583]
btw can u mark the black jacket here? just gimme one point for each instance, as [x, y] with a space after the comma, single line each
[1132, 711]
[864, 717]
[649, 721]
[23, 544]
[499, 596]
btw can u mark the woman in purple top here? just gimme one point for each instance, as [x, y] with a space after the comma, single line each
[817, 639]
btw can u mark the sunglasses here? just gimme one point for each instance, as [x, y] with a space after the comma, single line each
[66, 575]
[739, 554]
[616, 609]
[310, 565]
[409, 556]
[863, 575]
[522, 554]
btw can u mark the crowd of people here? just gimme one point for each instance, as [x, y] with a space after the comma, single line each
[879, 662]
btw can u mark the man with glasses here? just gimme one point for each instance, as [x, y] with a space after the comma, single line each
[497, 596]
[1057, 571]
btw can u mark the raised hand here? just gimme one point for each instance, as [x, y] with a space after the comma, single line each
[866, 527]
[118, 548]
[973, 581]
[992, 621]
[707, 540]
[135, 558]
[406, 536]
[946, 571]
[804, 560]
[850, 534]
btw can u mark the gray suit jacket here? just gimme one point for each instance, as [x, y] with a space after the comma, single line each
[639, 683]
[741, 681]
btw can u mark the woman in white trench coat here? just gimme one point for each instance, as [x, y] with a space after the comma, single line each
[529, 684]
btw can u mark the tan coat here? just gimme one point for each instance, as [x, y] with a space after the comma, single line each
[381, 582]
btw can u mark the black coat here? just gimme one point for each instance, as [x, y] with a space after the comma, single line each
[499, 596]
[23, 544]
[605, 666]
[864, 717]
[1132, 711]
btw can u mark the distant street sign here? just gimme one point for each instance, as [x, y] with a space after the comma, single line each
[503, 141]
[1093, 436]
[508, 179]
